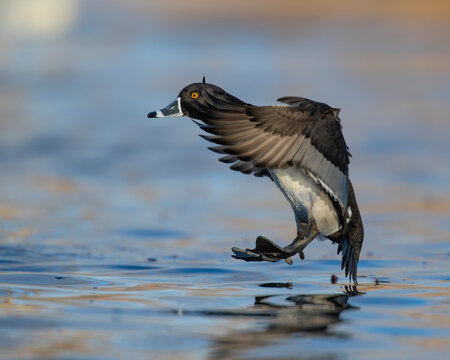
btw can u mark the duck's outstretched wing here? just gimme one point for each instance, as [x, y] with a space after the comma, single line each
[306, 135]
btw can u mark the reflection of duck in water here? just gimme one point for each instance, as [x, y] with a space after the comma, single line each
[300, 147]
[312, 314]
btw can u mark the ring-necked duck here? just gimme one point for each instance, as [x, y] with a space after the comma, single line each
[300, 147]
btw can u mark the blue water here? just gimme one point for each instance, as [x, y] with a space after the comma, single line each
[116, 230]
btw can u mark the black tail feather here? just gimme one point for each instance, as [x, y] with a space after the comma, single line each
[352, 239]
[349, 260]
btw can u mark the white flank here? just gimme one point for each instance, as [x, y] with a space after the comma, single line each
[307, 198]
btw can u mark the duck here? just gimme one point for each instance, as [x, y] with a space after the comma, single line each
[300, 147]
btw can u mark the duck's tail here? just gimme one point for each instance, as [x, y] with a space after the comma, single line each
[352, 238]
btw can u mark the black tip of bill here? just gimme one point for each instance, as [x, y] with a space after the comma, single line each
[173, 109]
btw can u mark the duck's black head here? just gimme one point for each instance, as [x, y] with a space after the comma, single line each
[199, 101]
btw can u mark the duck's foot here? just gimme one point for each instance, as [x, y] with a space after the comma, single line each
[265, 250]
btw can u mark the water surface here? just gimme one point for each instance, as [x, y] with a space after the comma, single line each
[115, 231]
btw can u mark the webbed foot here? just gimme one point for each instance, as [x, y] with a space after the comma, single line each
[265, 250]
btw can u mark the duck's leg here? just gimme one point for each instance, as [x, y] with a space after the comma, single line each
[267, 250]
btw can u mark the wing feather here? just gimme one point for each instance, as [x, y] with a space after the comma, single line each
[305, 134]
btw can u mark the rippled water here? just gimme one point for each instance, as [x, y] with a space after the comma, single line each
[115, 231]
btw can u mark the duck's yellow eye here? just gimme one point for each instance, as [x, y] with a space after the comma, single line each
[194, 95]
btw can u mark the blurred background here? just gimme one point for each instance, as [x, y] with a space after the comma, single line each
[89, 186]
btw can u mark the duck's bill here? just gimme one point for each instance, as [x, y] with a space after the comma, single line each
[173, 109]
